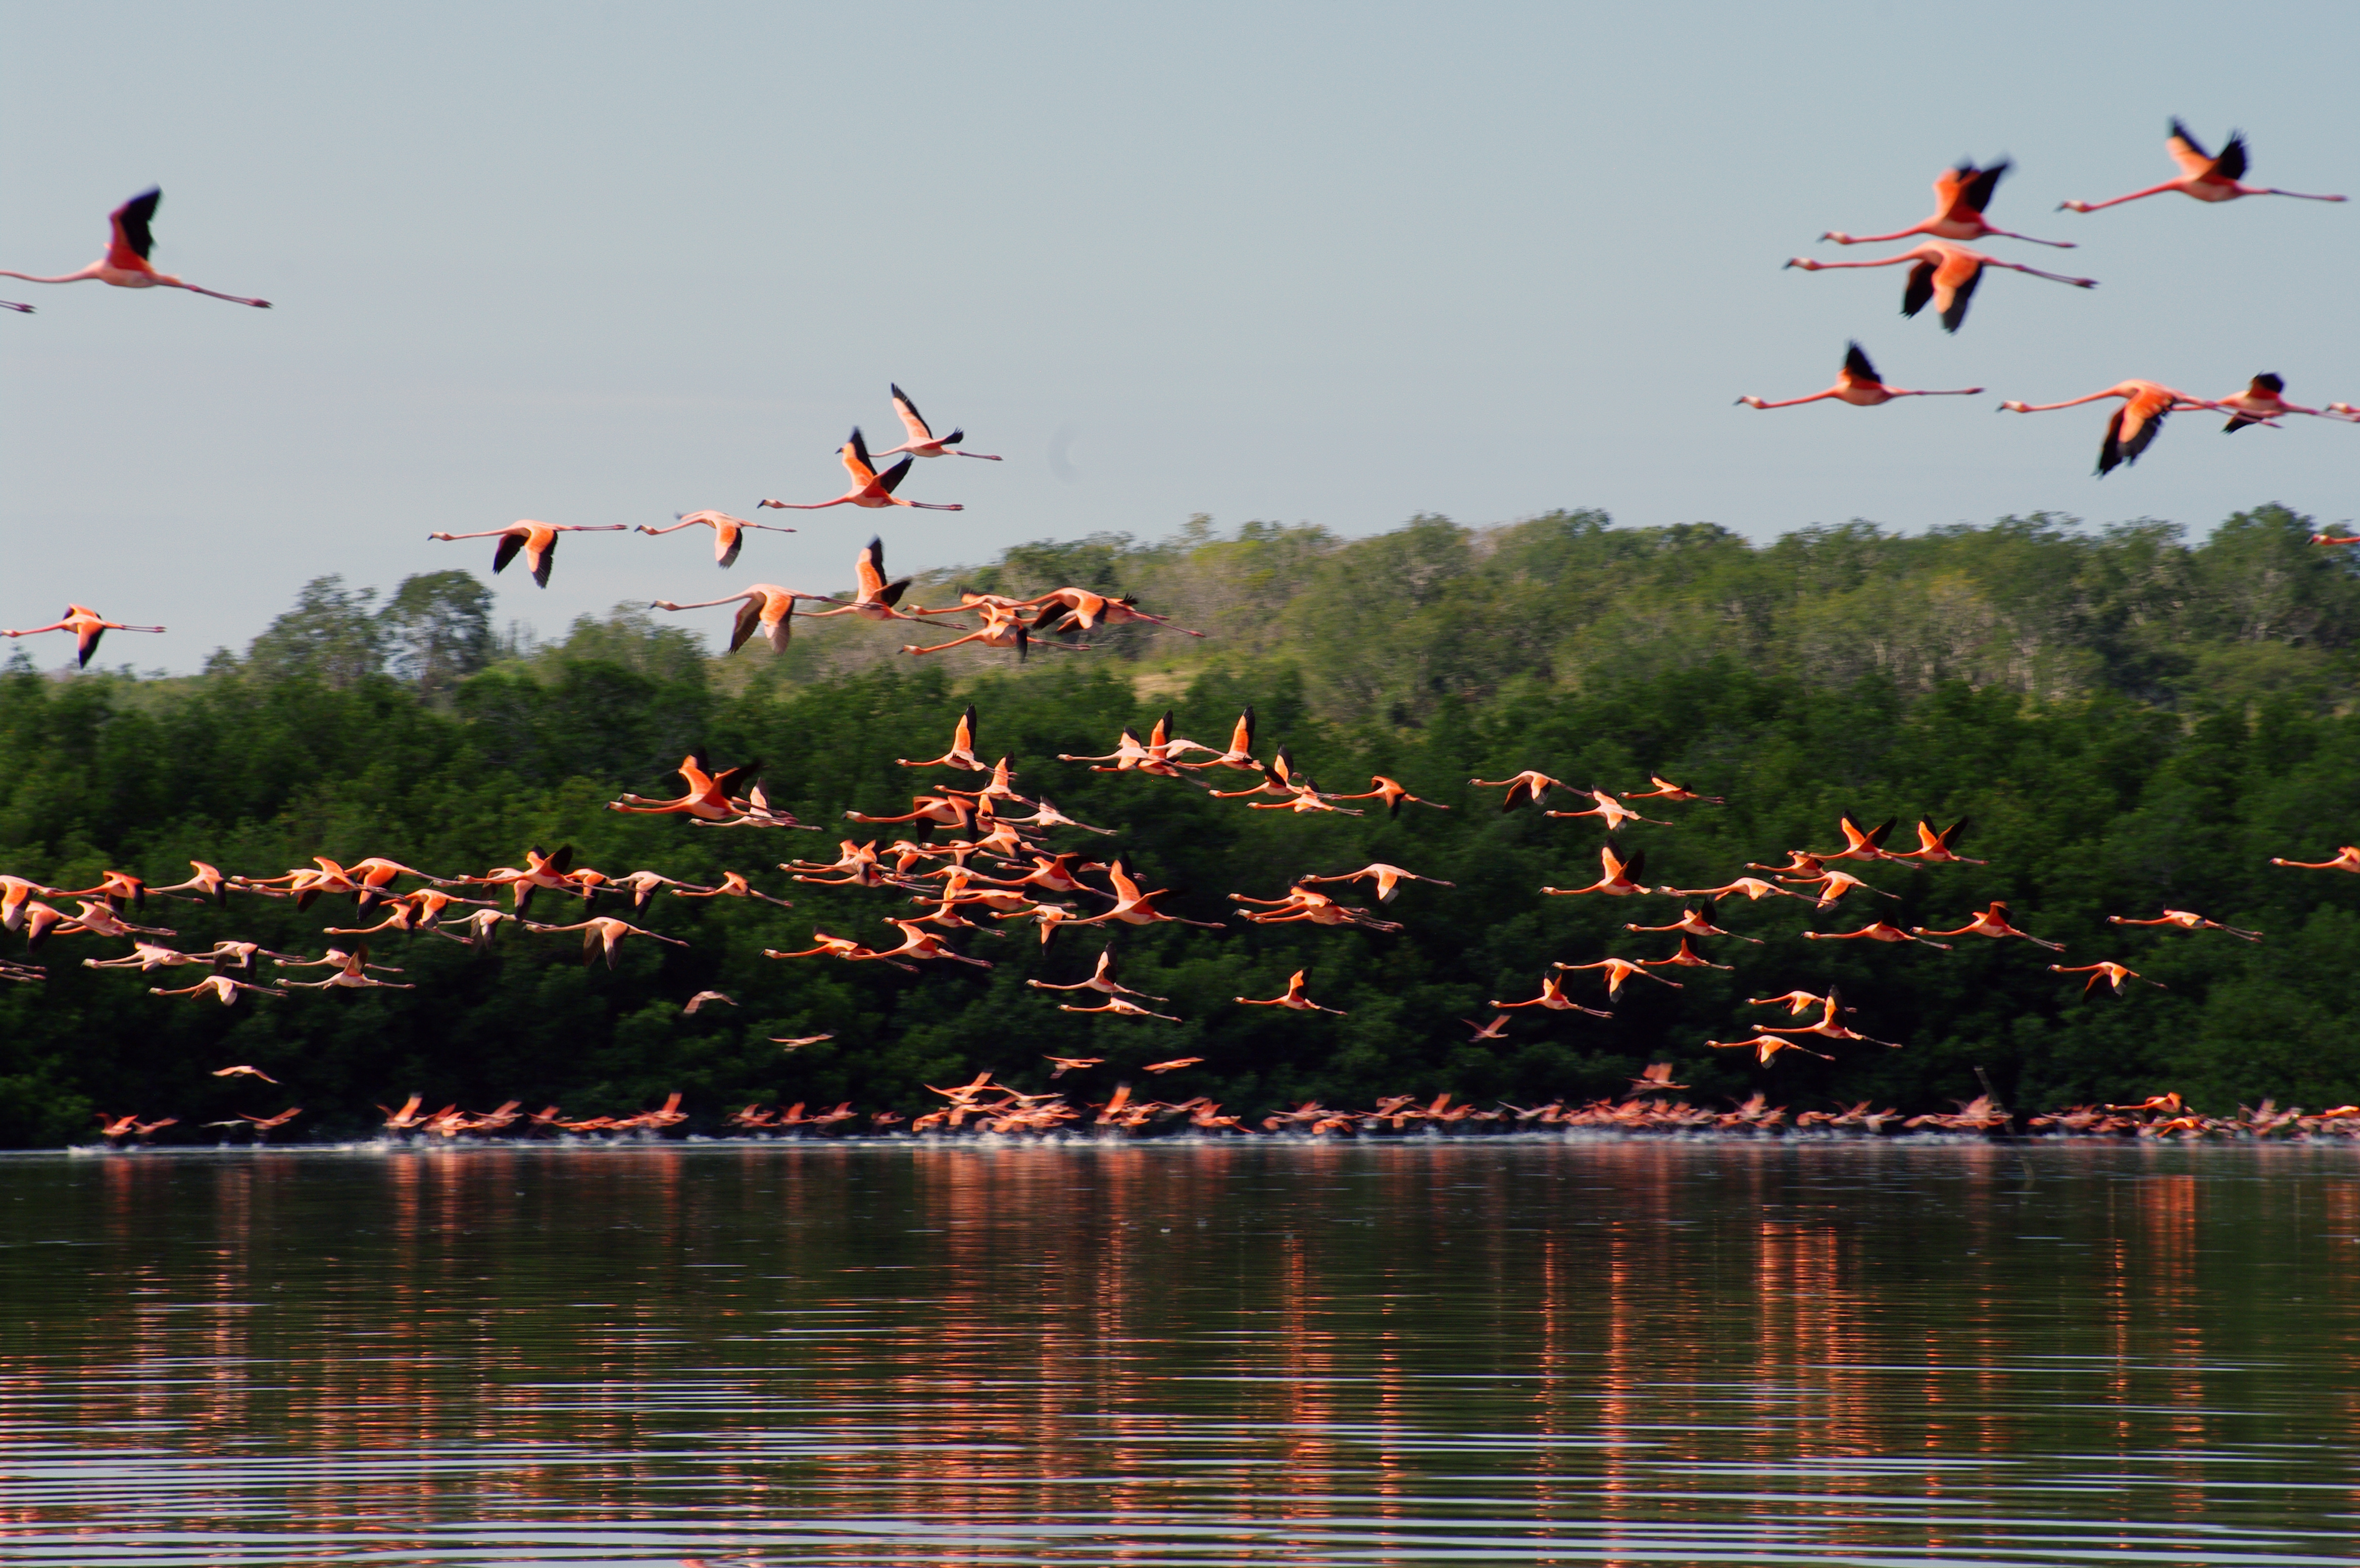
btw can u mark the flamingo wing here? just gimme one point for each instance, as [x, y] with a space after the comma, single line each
[1954, 313]
[2187, 152]
[890, 479]
[1918, 289]
[911, 419]
[86, 643]
[727, 540]
[750, 616]
[131, 239]
[510, 543]
[1976, 192]
[2141, 420]
[541, 554]
[869, 569]
[2231, 164]
[1241, 738]
[1857, 367]
[856, 461]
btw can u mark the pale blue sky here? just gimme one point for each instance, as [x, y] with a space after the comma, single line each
[1338, 263]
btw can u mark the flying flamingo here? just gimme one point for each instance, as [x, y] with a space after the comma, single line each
[2201, 175]
[537, 539]
[1875, 931]
[1692, 923]
[87, 625]
[124, 265]
[1687, 958]
[1992, 922]
[1134, 907]
[221, 988]
[1939, 848]
[1667, 790]
[2185, 921]
[2130, 429]
[962, 751]
[1765, 1048]
[1826, 1025]
[869, 488]
[1858, 385]
[1241, 740]
[1121, 1009]
[1607, 806]
[1497, 1029]
[1292, 998]
[1796, 1003]
[706, 797]
[1553, 997]
[244, 1071]
[1101, 981]
[2347, 859]
[1755, 889]
[1079, 610]
[768, 609]
[876, 597]
[2261, 403]
[1391, 792]
[604, 933]
[1620, 878]
[2106, 970]
[837, 948]
[1945, 274]
[1524, 788]
[1961, 195]
[728, 533]
[1617, 972]
[1002, 629]
[1388, 878]
[924, 442]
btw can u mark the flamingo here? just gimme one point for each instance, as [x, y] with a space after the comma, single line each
[876, 599]
[1073, 1064]
[1524, 788]
[352, 974]
[797, 1042]
[1241, 740]
[1121, 1009]
[2130, 429]
[2185, 921]
[767, 609]
[1079, 610]
[2347, 859]
[1688, 957]
[125, 265]
[1860, 843]
[1692, 923]
[1161, 1068]
[923, 945]
[87, 625]
[1552, 997]
[1857, 383]
[537, 539]
[208, 882]
[222, 988]
[924, 442]
[1134, 907]
[244, 1071]
[962, 751]
[1392, 792]
[1875, 931]
[1101, 981]
[869, 488]
[1002, 629]
[1655, 1077]
[1613, 810]
[733, 884]
[1388, 878]
[2261, 404]
[1826, 1025]
[1939, 848]
[1292, 998]
[2106, 969]
[728, 533]
[1617, 972]
[1755, 889]
[1497, 1029]
[1667, 790]
[1765, 1048]
[1961, 195]
[706, 797]
[1945, 274]
[1620, 876]
[701, 998]
[604, 933]
[1992, 922]
[2201, 175]
[837, 948]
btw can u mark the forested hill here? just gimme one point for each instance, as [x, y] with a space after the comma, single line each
[2130, 722]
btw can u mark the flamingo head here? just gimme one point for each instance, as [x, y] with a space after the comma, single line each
[1804, 262]
[2015, 407]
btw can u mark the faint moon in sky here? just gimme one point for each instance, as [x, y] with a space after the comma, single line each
[1061, 450]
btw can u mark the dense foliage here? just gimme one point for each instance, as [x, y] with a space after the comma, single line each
[2130, 722]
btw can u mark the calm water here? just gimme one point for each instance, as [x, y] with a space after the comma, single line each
[1178, 1353]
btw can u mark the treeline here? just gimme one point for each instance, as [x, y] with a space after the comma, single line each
[2130, 723]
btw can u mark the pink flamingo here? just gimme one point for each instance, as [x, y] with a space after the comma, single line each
[2201, 175]
[728, 533]
[869, 488]
[87, 625]
[1856, 384]
[767, 609]
[1962, 192]
[538, 541]
[1945, 274]
[124, 265]
[924, 442]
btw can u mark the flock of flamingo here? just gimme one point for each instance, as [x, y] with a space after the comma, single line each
[1944, 272]
[1000, 867]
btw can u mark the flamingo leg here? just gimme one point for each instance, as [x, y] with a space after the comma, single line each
[2052, 277]
[217, 294]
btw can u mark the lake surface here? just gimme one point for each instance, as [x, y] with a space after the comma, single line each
[1186, 1354]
